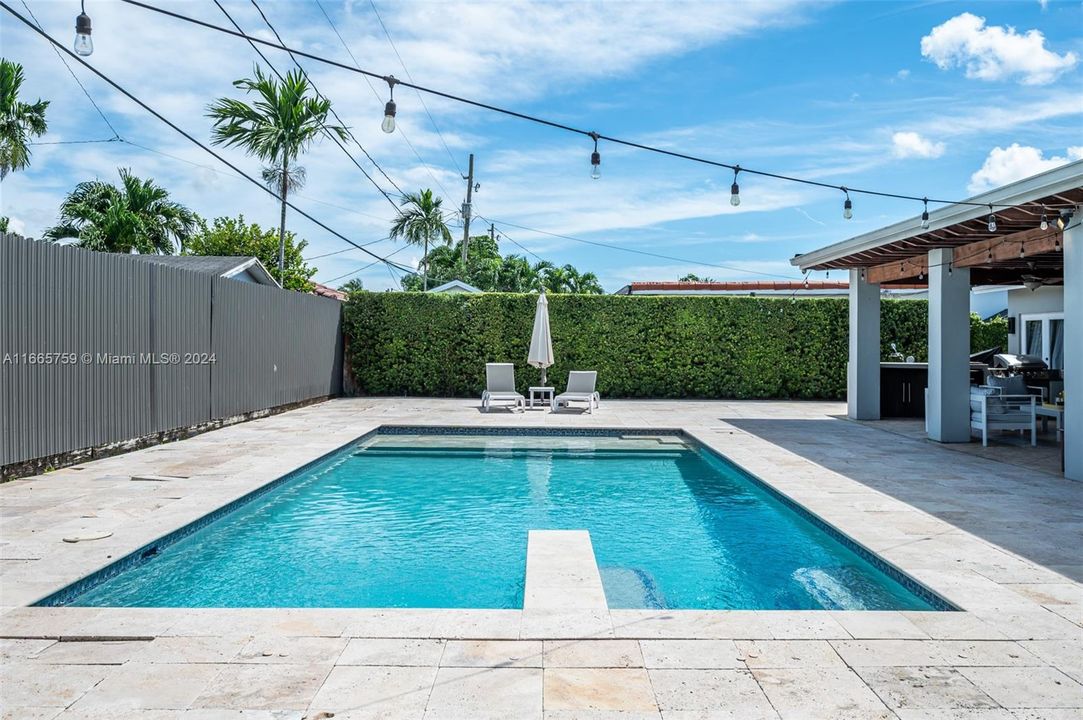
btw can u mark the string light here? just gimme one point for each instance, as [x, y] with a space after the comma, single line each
[595, 159]
[388, 125]
[735, 193]
[84, 45]
[992, 220]
[949, 267]
[847, 206]
[1022, 250]
[925, 214]
[1044, 224]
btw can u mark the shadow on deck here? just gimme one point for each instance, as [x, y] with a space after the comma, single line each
[1013, 496]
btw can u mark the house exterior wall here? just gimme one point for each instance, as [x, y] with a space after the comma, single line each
[1025, 302]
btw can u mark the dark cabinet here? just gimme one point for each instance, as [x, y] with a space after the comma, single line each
[902, 389]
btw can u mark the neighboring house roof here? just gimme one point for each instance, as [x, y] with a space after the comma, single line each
[747, 287]
[455, 286]
[328, 292]
[229, 266]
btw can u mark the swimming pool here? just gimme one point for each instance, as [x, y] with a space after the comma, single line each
[439, 518]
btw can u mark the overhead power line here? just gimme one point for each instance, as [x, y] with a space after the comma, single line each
[190, 138]
[326, 132]
[116, 135]
[419, 95]
[335, 114]
[622, 248]
[357, 67]
[593, 135]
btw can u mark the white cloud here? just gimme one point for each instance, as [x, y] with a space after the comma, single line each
[911, 145]
[1015, 162]
[994, 52]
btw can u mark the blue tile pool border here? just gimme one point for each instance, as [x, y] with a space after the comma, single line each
[69, 593]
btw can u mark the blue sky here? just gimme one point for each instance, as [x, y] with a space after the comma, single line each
[930, 99]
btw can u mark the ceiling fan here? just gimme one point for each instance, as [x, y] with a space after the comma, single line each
[1033, 282]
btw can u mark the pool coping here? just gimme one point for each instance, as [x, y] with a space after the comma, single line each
[64, 595]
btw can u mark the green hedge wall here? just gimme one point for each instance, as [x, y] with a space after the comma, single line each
[707, 347]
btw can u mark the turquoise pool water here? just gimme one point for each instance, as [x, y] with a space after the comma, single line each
[442, 521]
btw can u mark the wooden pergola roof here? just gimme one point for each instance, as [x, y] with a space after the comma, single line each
[1018, 247]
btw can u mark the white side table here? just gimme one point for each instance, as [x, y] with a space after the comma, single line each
[542, 393]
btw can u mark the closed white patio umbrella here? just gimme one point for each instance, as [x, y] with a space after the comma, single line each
[541, 342]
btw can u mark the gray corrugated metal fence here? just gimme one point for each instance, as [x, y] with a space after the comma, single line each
[96, 348]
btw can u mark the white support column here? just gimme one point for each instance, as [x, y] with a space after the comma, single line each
[863, 369]
[948, 408]
[1073, 347]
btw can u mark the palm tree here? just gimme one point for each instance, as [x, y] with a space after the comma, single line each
[138, 217]
[277, 128]
[587, 284]
[19, 122]
[421, 222]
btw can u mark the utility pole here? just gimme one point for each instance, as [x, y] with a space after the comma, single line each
[492, 233]
[469, 178]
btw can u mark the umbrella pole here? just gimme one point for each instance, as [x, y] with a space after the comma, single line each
[543, 377]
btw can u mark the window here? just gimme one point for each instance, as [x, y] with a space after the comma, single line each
[1043, 335]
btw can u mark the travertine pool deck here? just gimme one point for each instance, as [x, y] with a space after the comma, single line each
[998, 541]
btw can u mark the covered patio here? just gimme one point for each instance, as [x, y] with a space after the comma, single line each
[1027, 235]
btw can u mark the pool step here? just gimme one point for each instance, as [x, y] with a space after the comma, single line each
[561, 572]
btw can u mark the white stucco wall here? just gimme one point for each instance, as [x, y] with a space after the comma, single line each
[1024, 302]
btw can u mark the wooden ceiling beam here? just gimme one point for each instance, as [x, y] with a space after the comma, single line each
[898, 270]
[1003, 249]
[1034, 241]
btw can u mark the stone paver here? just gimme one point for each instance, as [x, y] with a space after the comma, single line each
[814, 693]
[713, 693]
[486, 693]
[592, 653]
[1001, 544]
[374, 692]
[925, 688]
[625, 690]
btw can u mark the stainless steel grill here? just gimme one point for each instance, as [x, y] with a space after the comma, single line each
[1019, 363]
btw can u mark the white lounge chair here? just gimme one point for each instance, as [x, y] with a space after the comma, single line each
[992, 409]
[580, 389]
[500, 387]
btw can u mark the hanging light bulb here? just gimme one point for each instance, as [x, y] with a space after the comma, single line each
[949, 267]
[925, 215]
[84, 45]
[992, 220]
[847, 206]
[595, 159]
[735, 190]
[388, 125]
[1022, 250]
[1044, 224]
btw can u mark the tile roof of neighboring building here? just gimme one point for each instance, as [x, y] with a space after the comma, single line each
[812, 287]
[328, 292]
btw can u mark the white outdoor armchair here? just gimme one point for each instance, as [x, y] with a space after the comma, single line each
[500, 387]
[991, 409]
[580, 389]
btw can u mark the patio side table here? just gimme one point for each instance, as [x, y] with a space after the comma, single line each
[542, 392]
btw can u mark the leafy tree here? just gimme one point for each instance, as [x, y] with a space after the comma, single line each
[487, 270]
[5, 221]
[19, 122]
[692, 277]
[421, 222]
[137, 217]
[277, 128]
[352, 286]
[234, 236]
